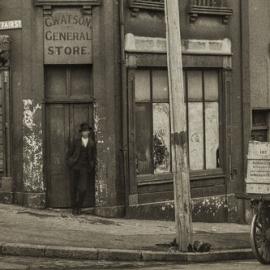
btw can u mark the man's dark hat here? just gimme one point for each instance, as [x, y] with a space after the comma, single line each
[85, 127]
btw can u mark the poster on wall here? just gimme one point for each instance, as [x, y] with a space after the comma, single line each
[258, 168]
[67, 37]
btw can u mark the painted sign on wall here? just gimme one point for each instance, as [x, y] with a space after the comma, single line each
[67, 37]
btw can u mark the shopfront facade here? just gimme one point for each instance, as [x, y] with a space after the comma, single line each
[105, 62]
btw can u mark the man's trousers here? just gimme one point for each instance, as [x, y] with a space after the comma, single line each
[79, 185]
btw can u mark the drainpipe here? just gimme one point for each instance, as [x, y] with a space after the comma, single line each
[124, 150]
[245, 85]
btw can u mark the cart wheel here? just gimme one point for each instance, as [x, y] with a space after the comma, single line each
[259, 242]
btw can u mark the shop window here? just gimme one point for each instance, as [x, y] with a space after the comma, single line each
[260, 125]
[152, 124]
[203, 118]
[152, 120]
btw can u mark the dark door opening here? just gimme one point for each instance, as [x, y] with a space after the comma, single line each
[68, 104]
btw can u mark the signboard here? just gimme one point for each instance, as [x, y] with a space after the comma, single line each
[258, 168]
[5, 25]
[67, 37]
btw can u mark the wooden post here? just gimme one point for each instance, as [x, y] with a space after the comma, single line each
[182, 198]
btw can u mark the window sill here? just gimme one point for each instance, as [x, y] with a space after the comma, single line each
[66, 2]
[201, 10]
[151, 179]
[259, 128]
[202, 174]
[167, 178]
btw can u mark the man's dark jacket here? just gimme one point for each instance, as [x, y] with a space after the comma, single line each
[74, 153]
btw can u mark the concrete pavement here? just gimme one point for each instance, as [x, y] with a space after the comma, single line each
[52, 233]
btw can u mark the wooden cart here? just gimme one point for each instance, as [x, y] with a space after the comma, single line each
[260, 225]
[258, 192]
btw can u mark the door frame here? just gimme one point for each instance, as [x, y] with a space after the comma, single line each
[62, 100]
[89, 102]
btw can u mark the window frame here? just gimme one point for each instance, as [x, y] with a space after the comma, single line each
[151, 176]
[168, 177]
[220, 118]
[220, 62]
[222, 145]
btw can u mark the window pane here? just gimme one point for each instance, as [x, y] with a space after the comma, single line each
[194, 79]
[143, 138]
[80, 80]
[55, 81]
[161, 138]
[212, 135]
[196, 149]
[211, 85]
[259, 118]
[160, 85]
[142, 85]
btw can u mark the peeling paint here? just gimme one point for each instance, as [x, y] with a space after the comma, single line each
[209, 205]
[101, 188]
[32, 147]
[101, 185]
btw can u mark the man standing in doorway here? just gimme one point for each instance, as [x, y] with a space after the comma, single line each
[81, 160]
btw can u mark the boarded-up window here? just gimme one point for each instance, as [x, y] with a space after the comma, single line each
[152, 124]
[202, 90]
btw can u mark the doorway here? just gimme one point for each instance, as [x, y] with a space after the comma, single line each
[68, 103]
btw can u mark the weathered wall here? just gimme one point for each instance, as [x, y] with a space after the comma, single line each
[27, 83]
[28, 121]
[26, 93]
[15, 10]
[107, 93]
[259, 40]
[151, 24]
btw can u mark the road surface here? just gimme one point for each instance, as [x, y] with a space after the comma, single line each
[27, 263]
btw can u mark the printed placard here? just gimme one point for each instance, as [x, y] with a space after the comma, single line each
[258, 165]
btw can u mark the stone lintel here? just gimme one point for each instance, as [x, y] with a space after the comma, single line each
[139, 44]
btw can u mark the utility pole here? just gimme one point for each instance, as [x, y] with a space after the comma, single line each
[182, 198]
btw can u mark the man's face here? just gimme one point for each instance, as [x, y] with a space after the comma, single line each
[85, 134]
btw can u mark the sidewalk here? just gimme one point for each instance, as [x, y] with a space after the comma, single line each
[47, 232]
